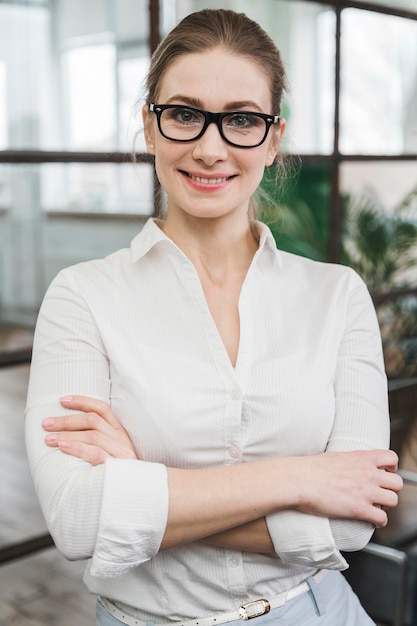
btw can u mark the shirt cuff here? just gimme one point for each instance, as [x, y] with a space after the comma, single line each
[304, 539]
[133, 517]
[351, 535]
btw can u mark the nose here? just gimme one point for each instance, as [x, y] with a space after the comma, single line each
[210, 147]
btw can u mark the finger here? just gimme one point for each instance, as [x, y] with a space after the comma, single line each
[372, 513]
[391, 480]
[387, 499]
[388, 460]
[397, 482]
[116, 448]
[88, 404]
[380, 518]
[77, 422]
[92, 454]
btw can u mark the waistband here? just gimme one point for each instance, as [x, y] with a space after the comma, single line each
[245, 612]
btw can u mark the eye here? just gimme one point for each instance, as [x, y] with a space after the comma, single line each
[182, 115]
[242, 121]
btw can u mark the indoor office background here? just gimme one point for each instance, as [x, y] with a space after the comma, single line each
[71, 78]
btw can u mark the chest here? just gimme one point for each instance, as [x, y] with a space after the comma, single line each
[177, 392]
[223, 304]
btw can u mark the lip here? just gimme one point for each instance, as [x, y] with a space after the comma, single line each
[207, 182]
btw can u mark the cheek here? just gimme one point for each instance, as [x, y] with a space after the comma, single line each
[256, 166]
[165, 167]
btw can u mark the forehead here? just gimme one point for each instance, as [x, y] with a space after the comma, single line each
[216, 77]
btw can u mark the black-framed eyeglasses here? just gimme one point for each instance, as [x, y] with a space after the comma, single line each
[243, 129]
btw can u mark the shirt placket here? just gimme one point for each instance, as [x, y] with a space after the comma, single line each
[235, 383]
[234, 452]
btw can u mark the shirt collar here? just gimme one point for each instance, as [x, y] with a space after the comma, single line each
[151, 235]
[266, 238]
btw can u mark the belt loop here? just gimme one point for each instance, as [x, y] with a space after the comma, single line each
[317, 597]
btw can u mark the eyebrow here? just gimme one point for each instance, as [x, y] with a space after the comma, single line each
[230, 106]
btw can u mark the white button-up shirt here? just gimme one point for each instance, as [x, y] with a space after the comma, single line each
[134, 329]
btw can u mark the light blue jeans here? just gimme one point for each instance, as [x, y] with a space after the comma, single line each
[329, 603]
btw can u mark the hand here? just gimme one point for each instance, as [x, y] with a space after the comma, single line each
[93, 435]
[356, 485]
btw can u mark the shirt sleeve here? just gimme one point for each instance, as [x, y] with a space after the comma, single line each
[115, 513]
[361, 422]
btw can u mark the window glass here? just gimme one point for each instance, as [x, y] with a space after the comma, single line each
[397, 318]
[380, 233]
[3, 107]
[297, 210]
[378, 107]
[130, 19]
[54, 215]
[380, 242]
[97, 188]
[305, 34]
[27, 88]
[131, 73]
[90, 97]
[82, 62]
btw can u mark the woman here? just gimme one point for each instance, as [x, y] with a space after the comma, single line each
[228, 437]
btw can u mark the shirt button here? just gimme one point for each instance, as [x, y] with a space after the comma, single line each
[234, 452]
[234, 561]
[236, 394]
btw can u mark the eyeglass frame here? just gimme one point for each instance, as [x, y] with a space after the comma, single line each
[213, 118]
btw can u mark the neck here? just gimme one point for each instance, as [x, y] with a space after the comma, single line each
[214, 243]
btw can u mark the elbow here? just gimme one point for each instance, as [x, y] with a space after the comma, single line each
[72, 545]
[70, 504]
[71, 522]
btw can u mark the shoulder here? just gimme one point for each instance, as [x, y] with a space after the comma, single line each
[304, 272]
[96, 273]
[318, 272]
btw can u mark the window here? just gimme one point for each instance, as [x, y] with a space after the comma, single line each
[66, 135]
[352, 120]
[378, 96]
[3, 106]
[90, 97]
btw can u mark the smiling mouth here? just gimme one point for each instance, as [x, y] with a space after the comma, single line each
[208, 181]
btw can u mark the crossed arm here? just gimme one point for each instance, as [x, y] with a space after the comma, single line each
[224, 506]
[227, 506]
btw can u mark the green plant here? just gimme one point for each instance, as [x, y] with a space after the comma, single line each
[298, 218]
[381, 245]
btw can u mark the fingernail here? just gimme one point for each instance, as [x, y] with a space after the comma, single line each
[51, 437]
[65, 399]
[49, 421]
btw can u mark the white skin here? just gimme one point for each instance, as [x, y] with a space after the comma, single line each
[226, 506]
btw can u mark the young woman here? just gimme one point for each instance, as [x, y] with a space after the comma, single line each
[226, 419]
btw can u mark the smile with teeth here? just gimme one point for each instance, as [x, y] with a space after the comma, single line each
[208, 181]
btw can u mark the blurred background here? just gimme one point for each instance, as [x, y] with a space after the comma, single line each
[71, 72]
[71, 81]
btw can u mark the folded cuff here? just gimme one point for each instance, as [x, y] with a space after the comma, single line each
[133, 516]
[302, 539]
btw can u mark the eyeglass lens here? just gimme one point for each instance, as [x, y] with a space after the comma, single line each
[240, 128]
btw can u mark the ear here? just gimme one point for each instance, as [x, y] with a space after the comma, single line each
[149, 129]
[277, 134]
